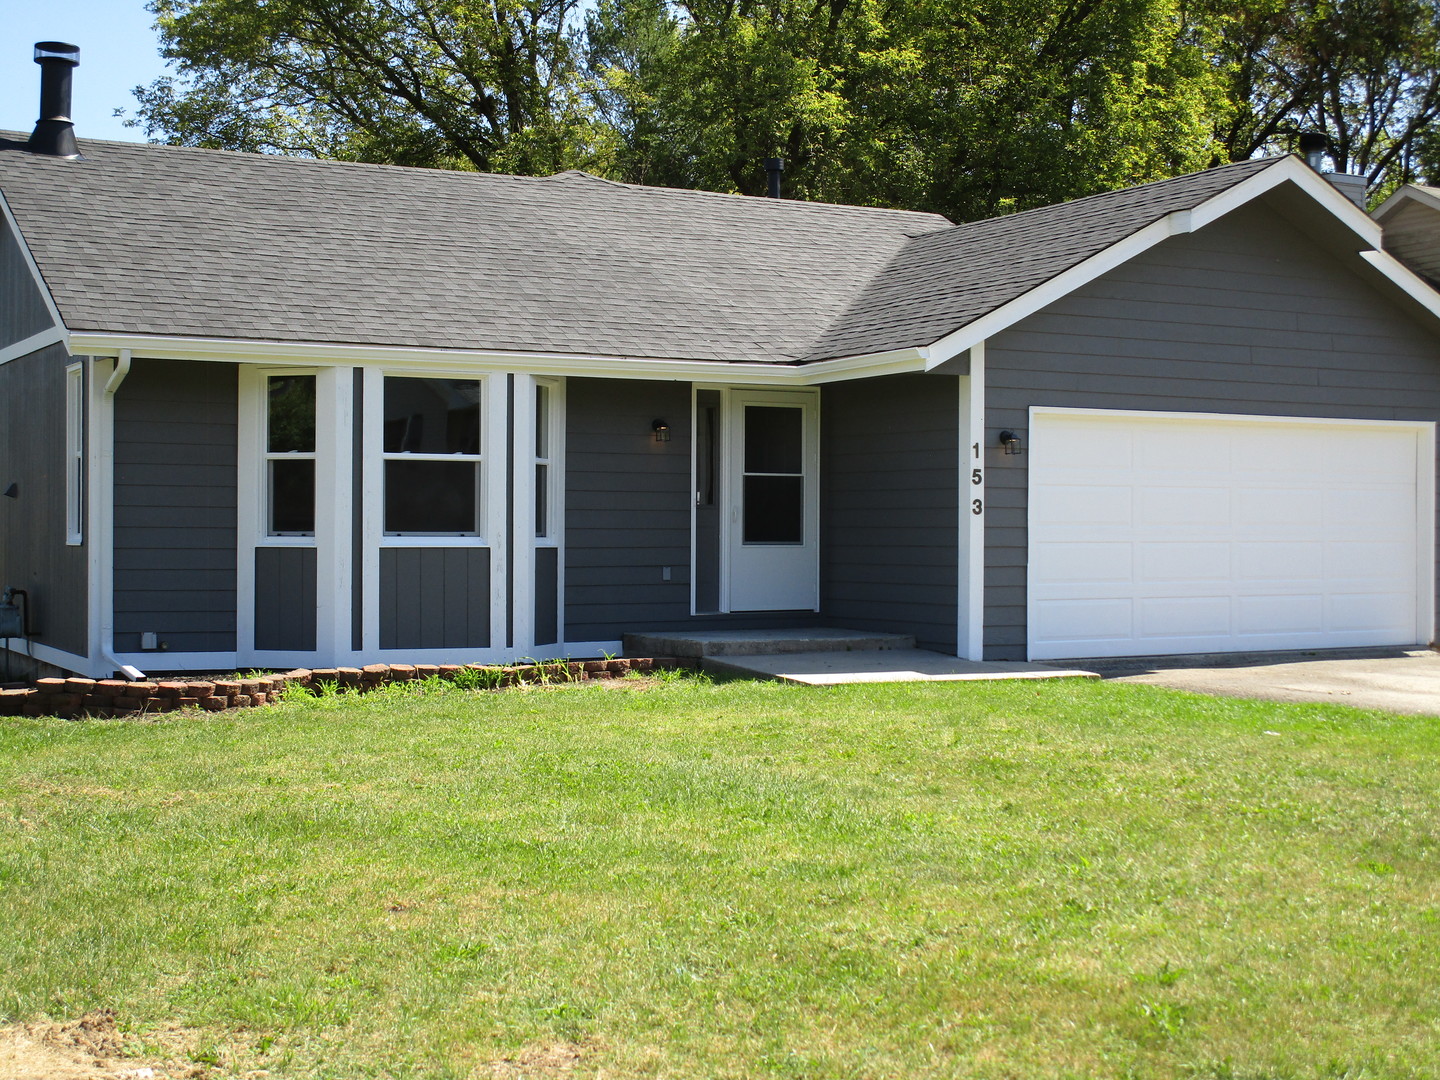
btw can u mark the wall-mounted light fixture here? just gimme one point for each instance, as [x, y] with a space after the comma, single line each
[661, 430]
[1011, 442]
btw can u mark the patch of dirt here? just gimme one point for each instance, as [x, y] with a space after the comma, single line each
[90, 1048]
[538, 1061]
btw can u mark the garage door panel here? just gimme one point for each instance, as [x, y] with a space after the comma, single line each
[1298, 614]
[1172, 506]
[1273, 510]
[1378, 612]
[1087, 563]
[1081, 504]
[1156, 534]
[1184, 617]
[1161, 562]
[1081, 620]
[1280, 561]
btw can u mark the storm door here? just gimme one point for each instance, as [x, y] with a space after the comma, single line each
[773, 542]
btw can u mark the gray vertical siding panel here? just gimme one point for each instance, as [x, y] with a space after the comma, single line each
[435, 598]
[175, 497]
[627, 514]
[33, 552]
[889, 552]
[547, 600]
[23, 312]
[1248, 315]
[285, 598]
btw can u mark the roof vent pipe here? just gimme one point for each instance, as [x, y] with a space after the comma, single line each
[1313, 145]
[774, 166]
[54, 132]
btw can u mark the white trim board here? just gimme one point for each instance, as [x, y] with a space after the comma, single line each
[34, 343]
[467, 361]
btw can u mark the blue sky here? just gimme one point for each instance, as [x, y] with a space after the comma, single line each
[118, 51]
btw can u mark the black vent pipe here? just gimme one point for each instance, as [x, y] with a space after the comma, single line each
[774, 166]
[54, 132]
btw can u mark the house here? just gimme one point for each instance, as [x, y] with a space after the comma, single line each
[269, 412]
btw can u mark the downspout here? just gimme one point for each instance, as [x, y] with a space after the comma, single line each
[106, 532]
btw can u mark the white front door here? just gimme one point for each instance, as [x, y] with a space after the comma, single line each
[1153, 534]
[772, 545]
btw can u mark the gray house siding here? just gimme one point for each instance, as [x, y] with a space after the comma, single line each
[627, 514]
[22, 306]
[1248, 315]
[889, 552]
[33, 552]
[175, 492]
[435, 598]
[1412, 234]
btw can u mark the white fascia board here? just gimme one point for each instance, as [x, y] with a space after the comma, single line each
[1416, 287]
[1177, 223]
[32, 344]
[731, 373]
[31, 263]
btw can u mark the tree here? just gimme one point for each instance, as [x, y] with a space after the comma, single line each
[1364, 72]
[968, 107]
[485, 84]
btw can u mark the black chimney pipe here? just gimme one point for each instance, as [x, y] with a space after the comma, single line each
[54, 132]
[1313, 147]
[774, 166]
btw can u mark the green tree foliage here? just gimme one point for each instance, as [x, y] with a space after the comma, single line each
[966, 107]
[488, 84]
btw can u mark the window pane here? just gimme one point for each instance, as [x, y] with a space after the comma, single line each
[291, 412]
[432, 416]
[542, 421]
[773, 439]
[542, 500]
[774, 510]
[292, 497]
[432, 497]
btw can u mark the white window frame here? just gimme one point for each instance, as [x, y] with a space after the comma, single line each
[267, 538]
[553, 449]
[483, 534]
[75, 454]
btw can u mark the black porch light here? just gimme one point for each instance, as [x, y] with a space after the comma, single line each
[661, 430]
[1011, 442]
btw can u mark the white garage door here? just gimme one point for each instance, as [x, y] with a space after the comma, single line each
[1155, 534]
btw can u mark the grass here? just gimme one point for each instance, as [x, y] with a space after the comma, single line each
[1067, 880]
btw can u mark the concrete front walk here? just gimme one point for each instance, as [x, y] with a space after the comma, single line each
[1396, 680]
[832, 668]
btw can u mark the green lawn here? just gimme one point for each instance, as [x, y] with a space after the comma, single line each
[1063, 879]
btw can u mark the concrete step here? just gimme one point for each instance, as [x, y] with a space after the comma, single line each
[888, 665]
[760, 642]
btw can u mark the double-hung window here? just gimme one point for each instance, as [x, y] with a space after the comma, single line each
[290, 455]
[431, 454]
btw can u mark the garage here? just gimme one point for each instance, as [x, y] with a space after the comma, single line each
[1157, 533]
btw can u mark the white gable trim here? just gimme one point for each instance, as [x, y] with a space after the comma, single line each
[31, 263]
[1290, 169]
[1416, 287]
[736, 373]
[32, 344]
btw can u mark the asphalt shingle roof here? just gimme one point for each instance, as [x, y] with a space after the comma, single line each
[151, 239]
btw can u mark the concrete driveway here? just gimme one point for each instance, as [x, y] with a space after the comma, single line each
[1396, 680]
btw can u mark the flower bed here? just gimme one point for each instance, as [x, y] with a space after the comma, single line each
[77, 697]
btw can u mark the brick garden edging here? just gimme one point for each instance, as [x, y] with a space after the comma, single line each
[76, 697]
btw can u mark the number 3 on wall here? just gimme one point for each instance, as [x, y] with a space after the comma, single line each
[976, 506]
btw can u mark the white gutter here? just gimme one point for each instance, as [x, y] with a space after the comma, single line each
[105, 530]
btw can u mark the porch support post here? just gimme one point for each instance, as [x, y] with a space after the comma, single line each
[970, 606]
[334, 430]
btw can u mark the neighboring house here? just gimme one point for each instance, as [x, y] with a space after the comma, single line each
[266, 412]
